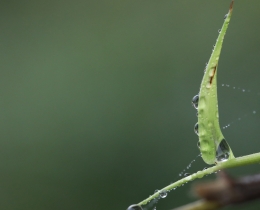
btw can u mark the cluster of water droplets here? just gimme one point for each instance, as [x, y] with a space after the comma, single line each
[223, 150]
[195, 103]
[243, 90]
[183, 172]
[238, 119]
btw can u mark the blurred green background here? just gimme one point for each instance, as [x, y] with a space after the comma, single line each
[96, 98]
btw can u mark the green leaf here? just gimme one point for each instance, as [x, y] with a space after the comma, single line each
[213, 146]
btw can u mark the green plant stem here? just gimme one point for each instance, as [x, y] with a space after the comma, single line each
[235, 162]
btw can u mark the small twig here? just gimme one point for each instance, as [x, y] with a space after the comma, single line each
[225, 191]
[199, 205]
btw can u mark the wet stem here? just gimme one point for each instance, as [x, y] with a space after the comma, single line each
[235, 162]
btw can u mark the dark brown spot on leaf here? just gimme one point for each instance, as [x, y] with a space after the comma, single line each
[211, 78]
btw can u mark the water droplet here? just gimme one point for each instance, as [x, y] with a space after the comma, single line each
[134, 207]
[186, 174]
[205, 168]
[222, 153]
[195, 101]
[219, 30]
[154, 208]
[208, 85]
[196, 128]
[163, 194]
[225, 16]
[254, 112]
[198, 144]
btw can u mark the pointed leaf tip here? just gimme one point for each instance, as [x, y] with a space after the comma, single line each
[231, 6]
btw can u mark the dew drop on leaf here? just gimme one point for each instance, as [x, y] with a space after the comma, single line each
[198, 144]
[195, 101]
[196, 128]
[222, 153]
[163, 194]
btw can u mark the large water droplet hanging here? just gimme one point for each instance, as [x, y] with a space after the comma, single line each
[223, 151]
[196, 128]
[195, 101]
[134, 207]
[163, 194]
